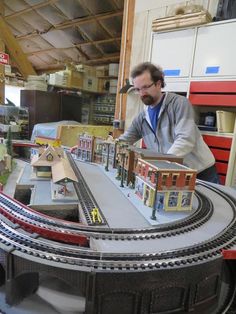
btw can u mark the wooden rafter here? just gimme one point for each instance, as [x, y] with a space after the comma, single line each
[61, 66]
[16, 52]
[97, 21]
[74, 22]
[114, 4]
[88, 42]
[90, 39]
[110, 58]
[31, 8]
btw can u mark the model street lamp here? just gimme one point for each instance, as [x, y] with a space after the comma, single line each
[153, 217]
[108, 151]
[107, 144]
[122, 155]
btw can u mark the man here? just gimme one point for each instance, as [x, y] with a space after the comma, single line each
[167, 123]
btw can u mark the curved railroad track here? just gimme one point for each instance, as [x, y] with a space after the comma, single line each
[188, 243]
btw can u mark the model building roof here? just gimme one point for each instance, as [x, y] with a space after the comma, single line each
[164, 164]
[48, 157]
[62, 172]
[149, 153]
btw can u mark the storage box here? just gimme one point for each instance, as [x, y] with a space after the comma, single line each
[58, 78]
[103, 85]
[113, 89]
[113, 69]
[90, 83]
[225, 121]
[102, 70]
[181, 20]
[113, 83]
[75, 79]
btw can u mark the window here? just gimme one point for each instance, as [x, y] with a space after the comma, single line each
[164, 178]
[174, 178]
[49, 157]
[187, 179]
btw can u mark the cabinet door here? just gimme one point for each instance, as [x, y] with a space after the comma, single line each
[173, 52]
[43, 106]
[215, 50]
[71, 107]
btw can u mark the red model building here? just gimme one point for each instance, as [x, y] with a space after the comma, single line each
[131, 154]
[85, 147]
[165, 185]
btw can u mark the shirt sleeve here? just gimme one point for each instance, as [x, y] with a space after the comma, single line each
[133, 133]
[185, 129]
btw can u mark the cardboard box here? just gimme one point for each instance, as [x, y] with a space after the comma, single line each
[89, 70]
[102, 70]
[113, 69]
[75, 79]
[225, 121]
[90, 83]
[103, 85]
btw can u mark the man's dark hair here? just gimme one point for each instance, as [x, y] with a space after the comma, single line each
[156, 72]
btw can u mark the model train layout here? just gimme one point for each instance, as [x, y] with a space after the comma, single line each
[114, 258]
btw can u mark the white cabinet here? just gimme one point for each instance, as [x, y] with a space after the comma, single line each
[200, 52]
[173, 52]
[215, 50]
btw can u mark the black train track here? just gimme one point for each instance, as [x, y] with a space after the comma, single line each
[195, 273]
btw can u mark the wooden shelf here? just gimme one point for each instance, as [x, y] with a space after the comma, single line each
[76, 89]
[108, 77]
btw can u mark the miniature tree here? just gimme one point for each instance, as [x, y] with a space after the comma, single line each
[9, 142]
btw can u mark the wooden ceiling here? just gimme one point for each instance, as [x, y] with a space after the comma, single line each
[53, 33]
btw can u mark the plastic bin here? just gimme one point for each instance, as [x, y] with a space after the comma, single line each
[225, 121]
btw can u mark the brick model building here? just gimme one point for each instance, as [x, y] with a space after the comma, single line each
[165, 185]
[85, 147]
[131, 154]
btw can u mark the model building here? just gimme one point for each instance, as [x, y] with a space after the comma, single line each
[165, 185]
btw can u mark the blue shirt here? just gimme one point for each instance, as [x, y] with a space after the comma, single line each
[153, 113]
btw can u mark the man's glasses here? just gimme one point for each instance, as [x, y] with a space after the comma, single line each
[142, 89]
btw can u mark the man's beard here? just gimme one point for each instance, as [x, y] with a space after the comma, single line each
[148, 100]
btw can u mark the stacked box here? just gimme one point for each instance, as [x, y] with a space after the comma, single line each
[102, 70]
[113, 69]
[90, 83]
[75, 79]
[113, 86]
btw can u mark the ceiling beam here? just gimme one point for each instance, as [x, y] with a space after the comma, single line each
[29, 9]
[111, 58]
[88, 42]
[74, 22]
[16, 52]
[61, 66]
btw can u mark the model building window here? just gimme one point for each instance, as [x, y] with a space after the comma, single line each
[49, 157]
[143, 171]
[174, 178]
[112, 149]
[173, 199]
[150, 172]
[187, 179]
[186, 199]
[164, 179]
